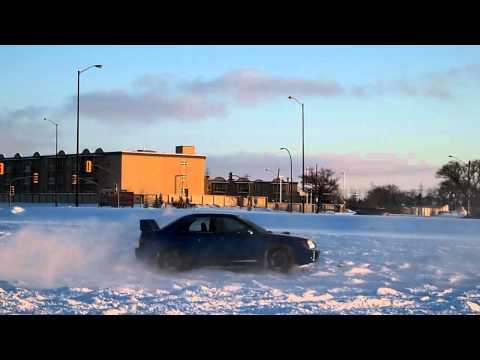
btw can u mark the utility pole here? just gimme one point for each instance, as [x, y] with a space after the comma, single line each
[291, 177]
[469, 210]
[280, 188]
[56, 158]
[303, 148]
[316, 187]
[77, 157]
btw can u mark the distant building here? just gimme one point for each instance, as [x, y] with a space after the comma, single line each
[426, 210]
[242, 186]
[140, 172]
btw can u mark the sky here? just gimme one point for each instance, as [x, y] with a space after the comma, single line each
[379, 114]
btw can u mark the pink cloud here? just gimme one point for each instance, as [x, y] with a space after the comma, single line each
[249, 86]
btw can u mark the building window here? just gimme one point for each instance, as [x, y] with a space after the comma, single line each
[219, 187]
[243, 188]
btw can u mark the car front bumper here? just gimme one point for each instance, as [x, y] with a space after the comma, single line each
[308, 257]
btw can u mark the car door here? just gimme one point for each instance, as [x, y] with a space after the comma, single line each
[238, 241]
[201, 241]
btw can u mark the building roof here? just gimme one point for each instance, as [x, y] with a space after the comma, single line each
[156, 153]
[100, 152]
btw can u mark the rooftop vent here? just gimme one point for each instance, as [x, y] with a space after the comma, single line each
[61, 153]
[99, 151]
[36, 154]
[185, 149]
[85, 152]
[17, 156]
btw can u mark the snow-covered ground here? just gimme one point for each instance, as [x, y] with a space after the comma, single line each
[80, 261]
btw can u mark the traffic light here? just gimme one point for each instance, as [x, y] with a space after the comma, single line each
[35, 178]
[88, 166]
[12, 189]
[74, 179]
[2, 168]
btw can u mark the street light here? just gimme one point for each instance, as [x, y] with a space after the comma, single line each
[303, 148]
[56, 157]
[280, 183]
[78, 129]
[468, 180]
[291, 172]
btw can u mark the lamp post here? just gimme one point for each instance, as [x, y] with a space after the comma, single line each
[291, 172]
[468, 181]
[78, 129]
[280, 183]
[303, 148]
[56, 158]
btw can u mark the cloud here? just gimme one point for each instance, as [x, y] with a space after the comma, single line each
[157, 98]
[23, 129]
[119, 106]
[361, 171]
[163, 97]
[249, 86]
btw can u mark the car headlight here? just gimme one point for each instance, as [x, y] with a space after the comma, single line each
[311, 244]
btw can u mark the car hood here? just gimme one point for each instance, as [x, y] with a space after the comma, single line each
[287, 237]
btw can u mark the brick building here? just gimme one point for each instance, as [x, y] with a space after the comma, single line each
[242, 186]
[140, 172]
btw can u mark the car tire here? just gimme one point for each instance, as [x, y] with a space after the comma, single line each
[279, 259]
[170, 260]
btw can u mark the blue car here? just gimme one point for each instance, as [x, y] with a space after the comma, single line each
[221, 240]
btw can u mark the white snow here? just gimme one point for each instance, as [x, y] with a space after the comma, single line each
[388, 291]
[69, 260]
[473, 306]
[358, 271]
[17, 210]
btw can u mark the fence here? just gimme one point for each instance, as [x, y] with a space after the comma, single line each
[309, 208]
[62, 198]
[160, 200]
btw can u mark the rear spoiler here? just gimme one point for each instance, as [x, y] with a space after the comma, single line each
[148, 225]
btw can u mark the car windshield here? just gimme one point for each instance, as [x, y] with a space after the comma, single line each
[253, 225]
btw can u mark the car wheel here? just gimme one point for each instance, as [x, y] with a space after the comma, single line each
[170, 260]
[279, 259]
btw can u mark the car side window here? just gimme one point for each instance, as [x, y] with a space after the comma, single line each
[229, 225]
[201, 224]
